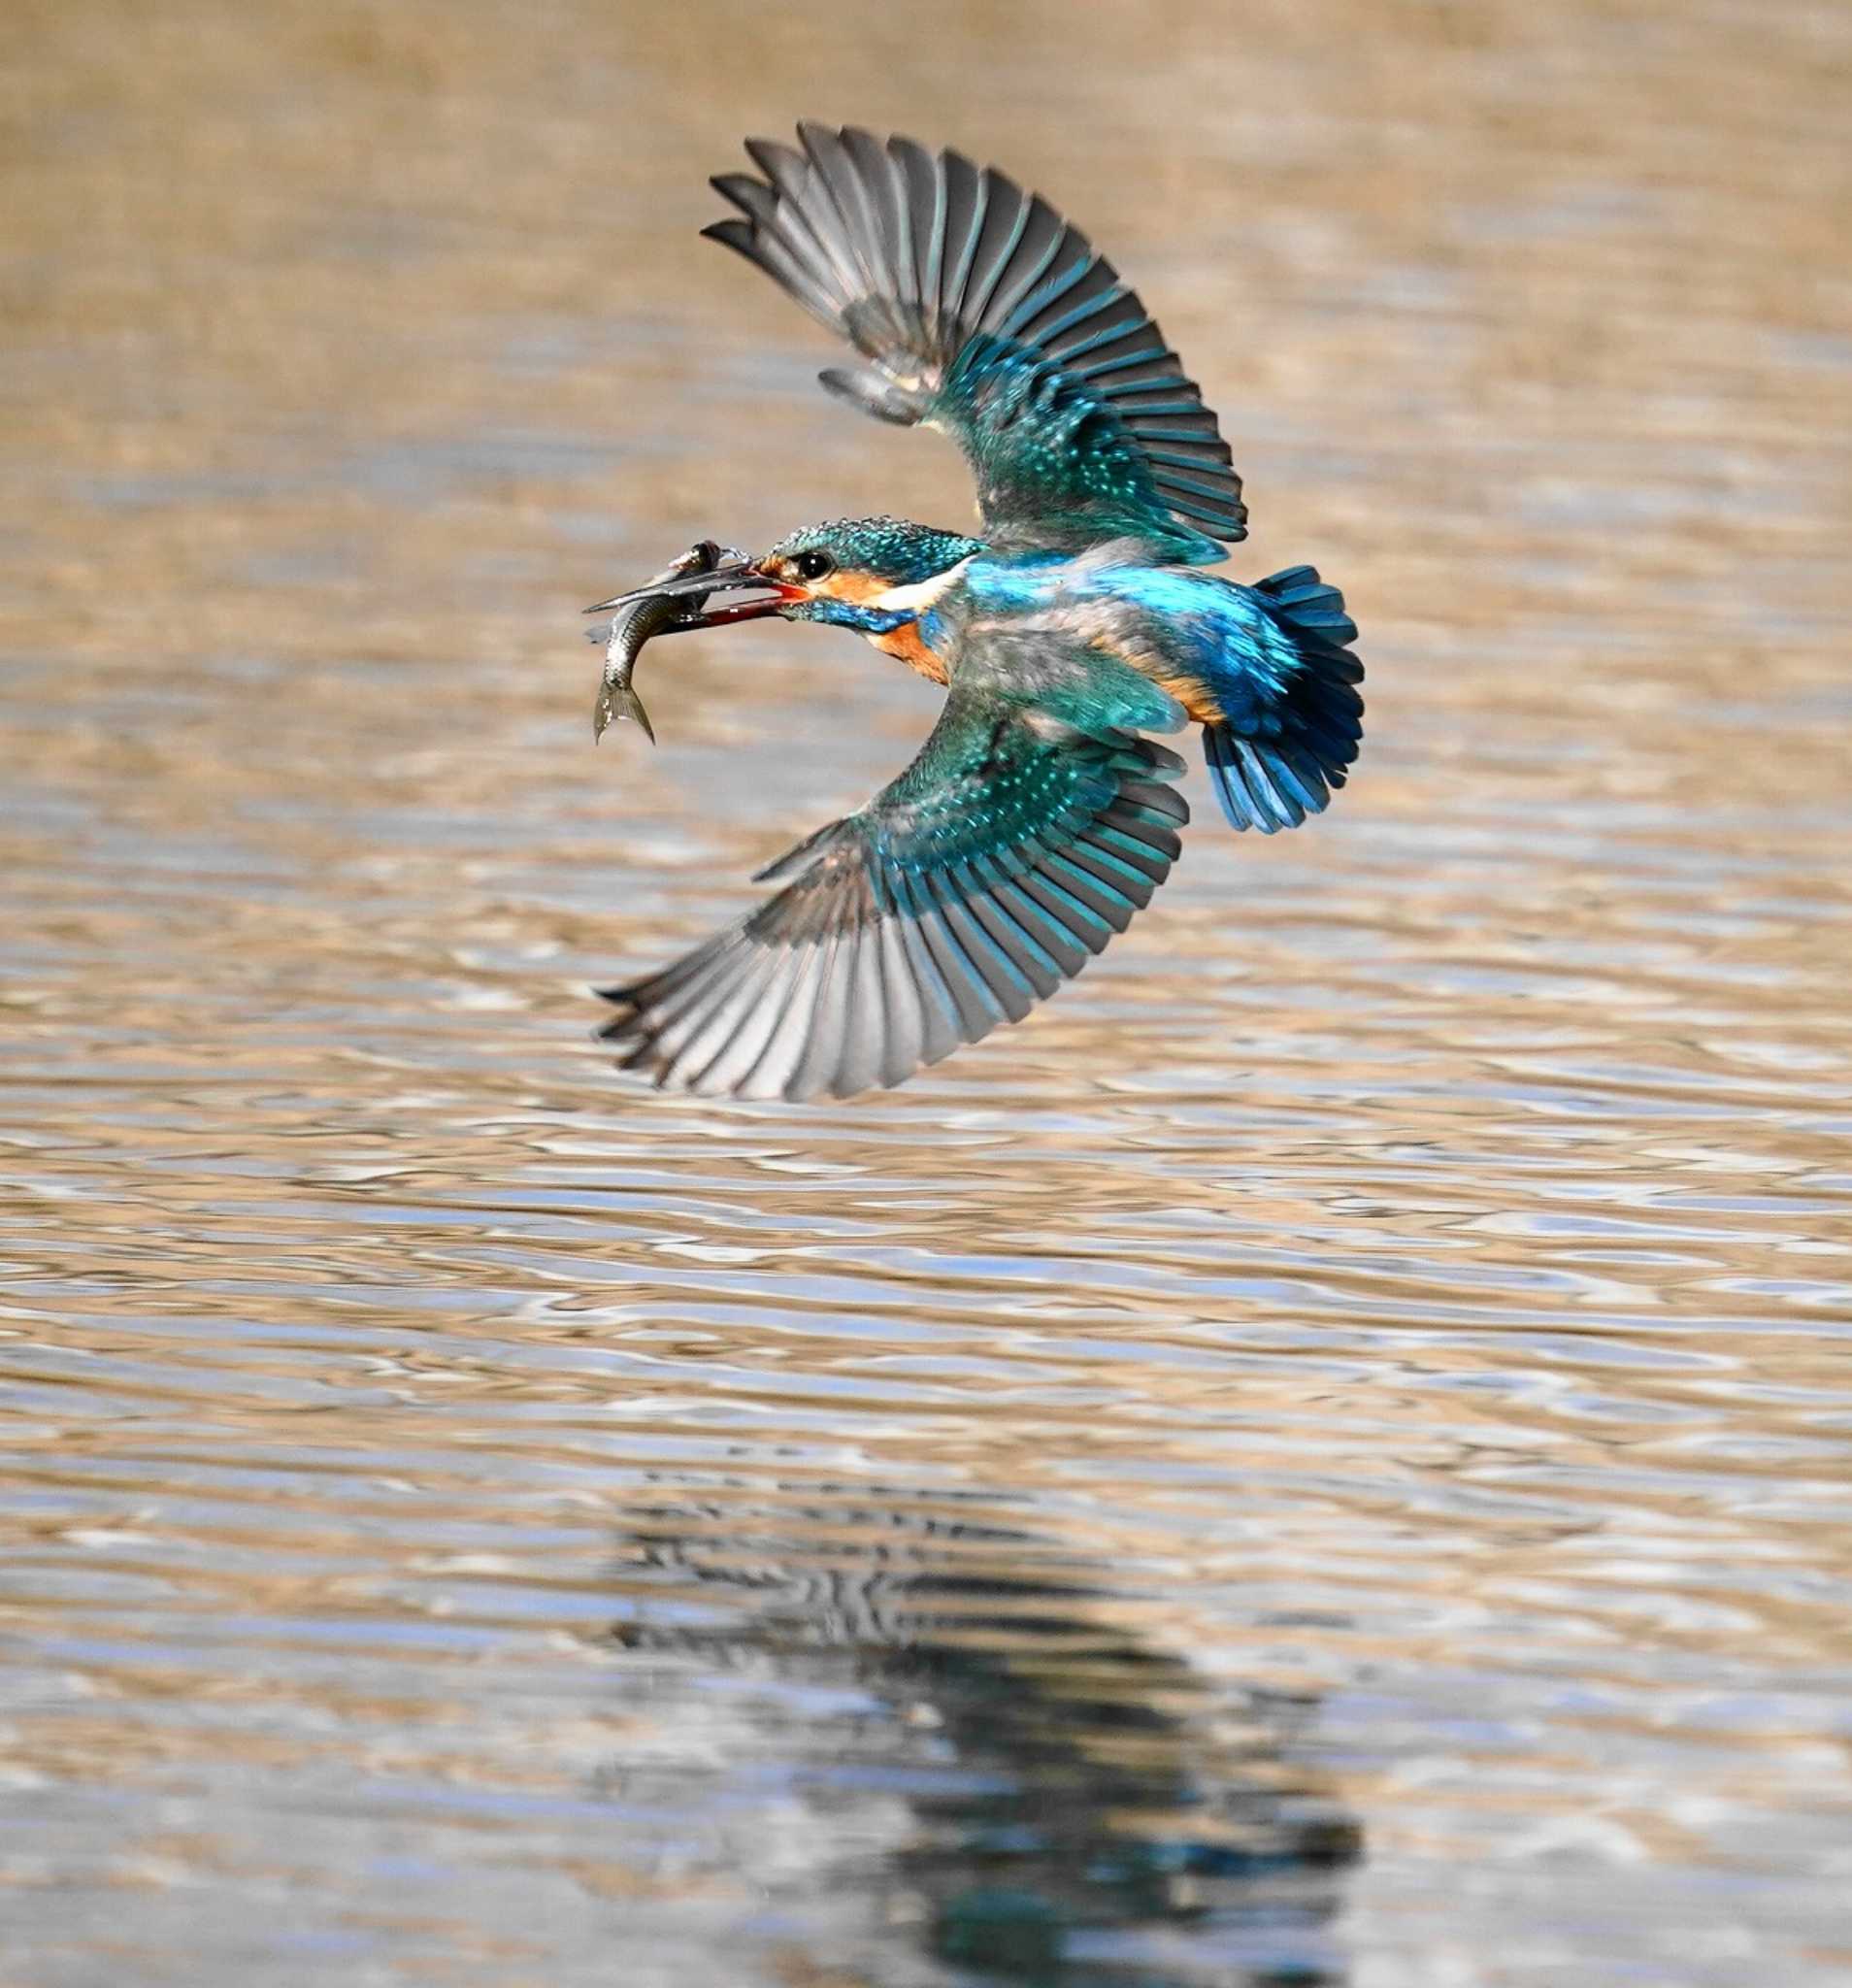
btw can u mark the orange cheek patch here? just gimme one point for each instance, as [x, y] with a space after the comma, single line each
[859, 587]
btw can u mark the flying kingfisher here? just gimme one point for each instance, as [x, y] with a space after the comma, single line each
[1037, 816]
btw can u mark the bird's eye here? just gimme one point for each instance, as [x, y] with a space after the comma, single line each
[814, 565]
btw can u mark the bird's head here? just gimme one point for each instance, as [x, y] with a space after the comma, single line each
[880, 563]
[868, 574]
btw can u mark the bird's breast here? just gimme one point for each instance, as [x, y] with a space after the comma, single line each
[908, 645]
[1196, 697]
[1112, 623]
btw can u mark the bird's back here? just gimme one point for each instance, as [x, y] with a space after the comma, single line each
[1209, 639]
[1266, 670]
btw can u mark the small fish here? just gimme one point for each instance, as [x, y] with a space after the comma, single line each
[646, 616]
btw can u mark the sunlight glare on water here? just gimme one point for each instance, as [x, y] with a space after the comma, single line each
[1322, 1457]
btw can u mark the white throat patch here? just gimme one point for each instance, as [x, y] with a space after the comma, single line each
[923, 592]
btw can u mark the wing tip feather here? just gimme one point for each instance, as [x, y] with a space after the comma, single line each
[847, 233]
[844, 983]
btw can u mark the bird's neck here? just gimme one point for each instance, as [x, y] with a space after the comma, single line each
[899, 620]
[894, 631]
[910, 646]
[913, 642]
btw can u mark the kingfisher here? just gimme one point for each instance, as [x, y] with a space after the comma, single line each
[1076, 621]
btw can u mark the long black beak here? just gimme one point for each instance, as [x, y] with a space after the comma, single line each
[727, 579]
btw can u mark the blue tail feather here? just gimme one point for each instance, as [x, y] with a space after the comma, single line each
[1284, 762]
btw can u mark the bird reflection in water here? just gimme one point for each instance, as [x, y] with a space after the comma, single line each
[1084, 1808]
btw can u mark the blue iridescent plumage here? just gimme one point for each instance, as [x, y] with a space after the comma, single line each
[1038, 817]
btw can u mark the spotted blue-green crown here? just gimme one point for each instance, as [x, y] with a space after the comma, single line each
[893, 549]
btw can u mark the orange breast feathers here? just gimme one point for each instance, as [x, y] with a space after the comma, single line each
[1117, 628]
[1123, 643]
[1191, 692]
[905, 644]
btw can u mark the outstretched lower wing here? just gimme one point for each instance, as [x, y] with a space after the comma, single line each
[988, 316]
[1007, 854]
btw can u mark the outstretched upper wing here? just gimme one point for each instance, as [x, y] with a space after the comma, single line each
[1013, 848]
[987, 316]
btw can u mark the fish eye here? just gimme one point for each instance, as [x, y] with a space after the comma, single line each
[814, 565]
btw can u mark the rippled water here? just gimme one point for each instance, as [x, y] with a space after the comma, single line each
[1324, 1457]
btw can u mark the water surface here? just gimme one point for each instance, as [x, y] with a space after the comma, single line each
[1325, 1456]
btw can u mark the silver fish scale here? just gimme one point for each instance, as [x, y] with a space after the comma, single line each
[633, 626]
